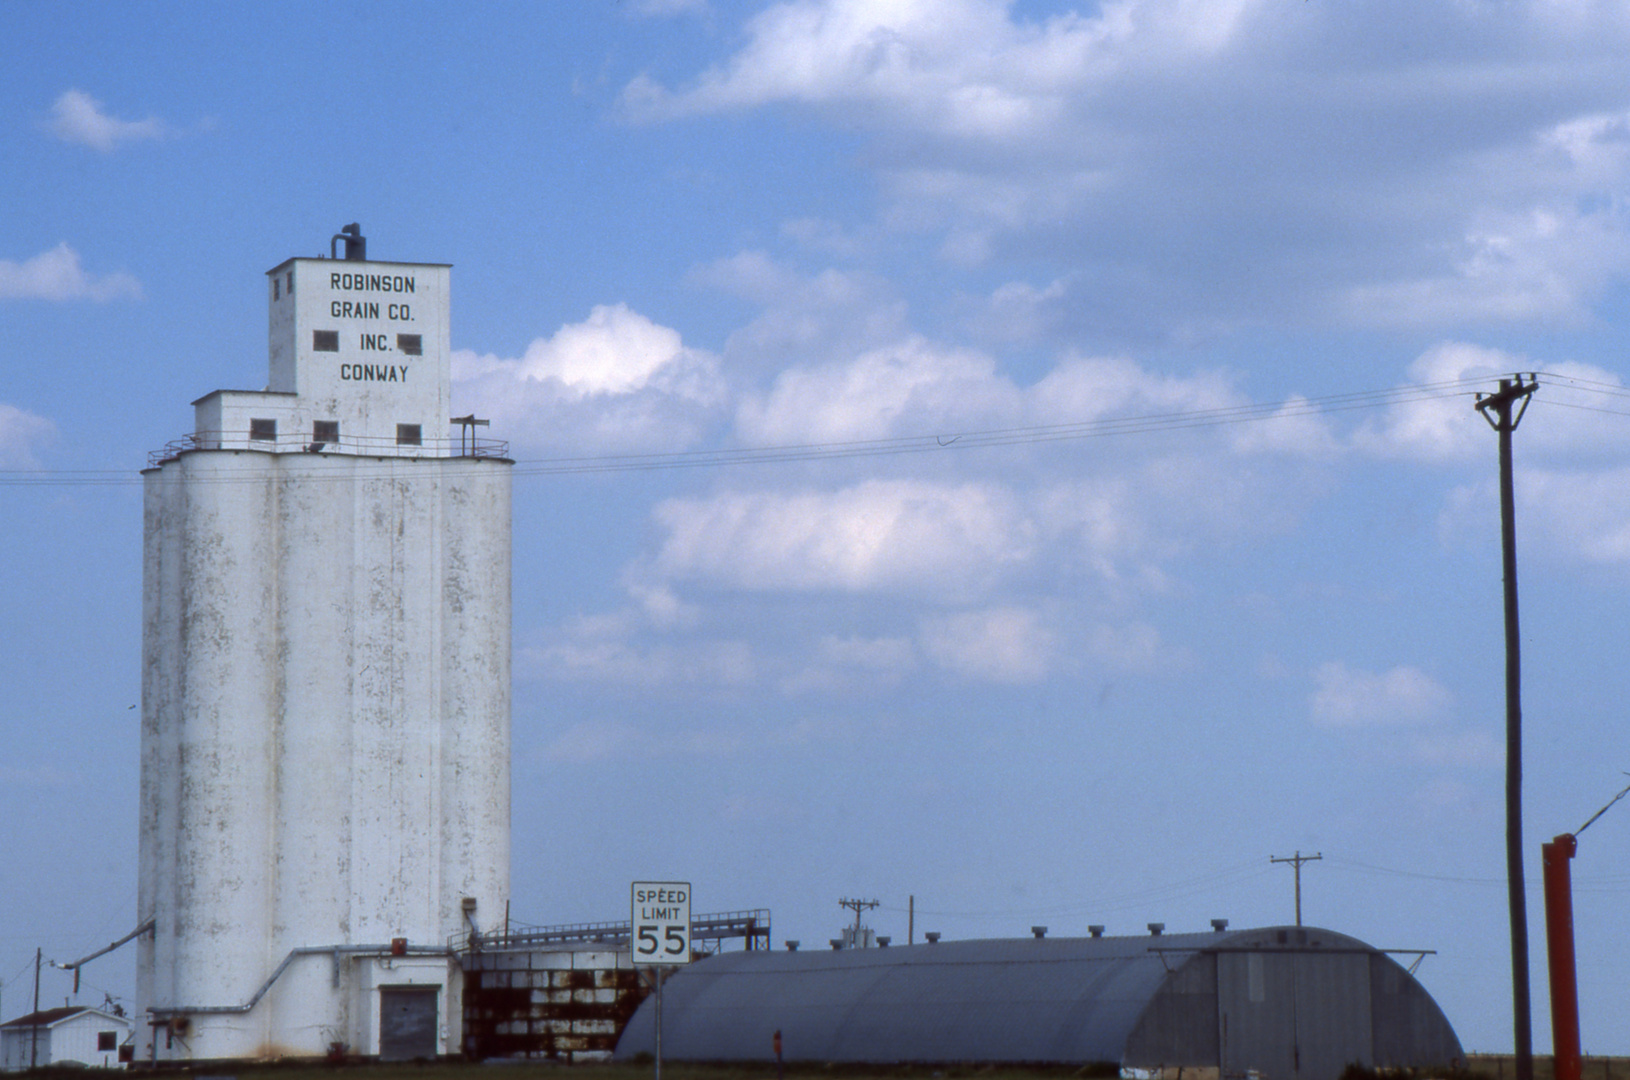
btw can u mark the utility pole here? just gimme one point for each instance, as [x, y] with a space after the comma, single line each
[859, 906]
[1297, 860]
[34, 1040]
[1497, 410]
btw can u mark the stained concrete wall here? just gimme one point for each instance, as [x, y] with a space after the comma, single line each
[325, 711]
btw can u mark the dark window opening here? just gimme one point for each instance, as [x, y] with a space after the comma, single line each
[407, 435]
[325, 341]
[263, 430]
[325, 431]
[412, 344]
[291, 282]
[277, 286]
[106, 1041]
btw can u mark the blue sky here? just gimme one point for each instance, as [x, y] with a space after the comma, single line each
[1028, 680]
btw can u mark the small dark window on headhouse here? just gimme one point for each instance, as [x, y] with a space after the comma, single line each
[410, 344]
[407, 435]
[325, 431]
[291, 282]
[107, 1041]
[325, 341]
[277, 286]
[263, 430]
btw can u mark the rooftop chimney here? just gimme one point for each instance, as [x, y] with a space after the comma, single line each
[932, 936]
[1039, 931]
[1219, 925]
[1096, 931]
[792, 945]
[1155, 928]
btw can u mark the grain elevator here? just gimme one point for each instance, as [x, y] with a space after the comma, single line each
[325, 686]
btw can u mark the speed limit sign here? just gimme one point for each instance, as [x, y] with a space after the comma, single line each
[661, 922]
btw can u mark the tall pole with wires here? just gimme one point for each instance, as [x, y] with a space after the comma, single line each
[1497, 409]
[1296, 861]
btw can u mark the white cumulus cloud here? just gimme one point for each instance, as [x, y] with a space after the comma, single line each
[57, 275]
[885, 535]
[1442, 425]
[1584, 515]
[911, 384]
[1573, 413]
[615, 381]
[77, 117]
[20, 433]
[1402, 696]
[1006, 644]
[1473, 178]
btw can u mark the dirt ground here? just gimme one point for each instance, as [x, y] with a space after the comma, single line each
[523, 1070]
[1504, 1067]
[1482, 1066]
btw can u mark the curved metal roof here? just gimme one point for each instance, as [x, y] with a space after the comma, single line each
[1016, 1000]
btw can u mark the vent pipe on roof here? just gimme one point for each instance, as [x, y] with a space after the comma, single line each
[1155, 928]
[792, 946]
[1039, 931]
[1096, 931]
[883, 941]
[1219, 925]
[932, 936]
[836, 943]
[356, 245]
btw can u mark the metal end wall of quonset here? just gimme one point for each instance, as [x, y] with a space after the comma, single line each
[325, 717]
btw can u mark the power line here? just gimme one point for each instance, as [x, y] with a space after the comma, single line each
[1111, 903]
[1110, 427]
[1612, 883]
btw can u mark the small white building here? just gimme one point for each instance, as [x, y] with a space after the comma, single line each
[72, 1035]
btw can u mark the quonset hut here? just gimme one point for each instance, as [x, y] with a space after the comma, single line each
[1284, 1002]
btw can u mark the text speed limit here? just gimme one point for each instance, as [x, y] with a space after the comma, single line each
[661, 922]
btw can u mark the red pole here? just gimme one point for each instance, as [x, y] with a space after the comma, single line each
[1555, 857]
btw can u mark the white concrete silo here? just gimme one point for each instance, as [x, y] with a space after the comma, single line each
[325, 700]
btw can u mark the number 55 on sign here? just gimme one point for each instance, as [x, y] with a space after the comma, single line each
[661, 922]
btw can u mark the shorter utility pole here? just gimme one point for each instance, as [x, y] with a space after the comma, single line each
[34, 1040]
[858, 906]
[1297, 860]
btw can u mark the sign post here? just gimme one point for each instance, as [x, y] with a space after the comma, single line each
[659, 934]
